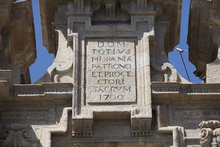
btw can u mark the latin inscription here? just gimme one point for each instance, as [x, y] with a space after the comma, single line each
[110, 71]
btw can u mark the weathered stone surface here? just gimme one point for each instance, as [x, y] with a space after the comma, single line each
[17, 53]
[204, 38]
[97, 76]
[167, 30]
[111, 84]
[110, 73]
[18, 135]
[47, 8]
[212, 69]
[210, 133]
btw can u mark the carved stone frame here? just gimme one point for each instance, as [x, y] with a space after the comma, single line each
[140, 112]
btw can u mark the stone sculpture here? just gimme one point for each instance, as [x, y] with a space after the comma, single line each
[210, 133]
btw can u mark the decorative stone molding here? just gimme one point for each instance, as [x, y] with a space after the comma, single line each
[134, 28]
[61, 69]
[186, 89]
[44, 133]
[140, 125]
[112, 11]
[178, 134]
[5, 84]
[43, 90]
[210, 133]
[18, 135]
[82, 127]
[167, 71]
[78, 5]
[90, 101]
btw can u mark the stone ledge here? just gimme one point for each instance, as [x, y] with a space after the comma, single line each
[36, 92]
[186, 94]
[186, 89]
[43, 90]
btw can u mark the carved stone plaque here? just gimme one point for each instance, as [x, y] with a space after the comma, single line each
[110, 71]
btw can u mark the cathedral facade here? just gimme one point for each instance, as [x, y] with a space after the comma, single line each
[111, 84]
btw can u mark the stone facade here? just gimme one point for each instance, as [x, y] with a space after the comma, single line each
[111, 84]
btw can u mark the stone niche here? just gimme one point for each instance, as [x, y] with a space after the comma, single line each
[111, 68]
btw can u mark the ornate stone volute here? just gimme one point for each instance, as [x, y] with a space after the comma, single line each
[19, 135]
[210, 133]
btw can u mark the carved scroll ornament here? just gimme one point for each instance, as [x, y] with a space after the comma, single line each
[18, 135]
[210, 133]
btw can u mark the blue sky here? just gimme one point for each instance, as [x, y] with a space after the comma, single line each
[174, 57]
[45, 59]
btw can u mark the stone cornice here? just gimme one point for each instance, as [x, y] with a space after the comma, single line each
[177, 93]
[34, 92]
